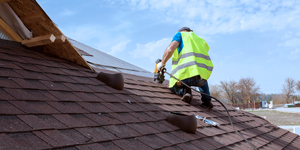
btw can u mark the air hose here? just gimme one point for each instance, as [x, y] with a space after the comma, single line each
[164, 70]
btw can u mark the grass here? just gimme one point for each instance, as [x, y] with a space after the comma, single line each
[279, 118]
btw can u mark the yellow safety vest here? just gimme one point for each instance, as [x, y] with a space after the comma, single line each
[192, 60]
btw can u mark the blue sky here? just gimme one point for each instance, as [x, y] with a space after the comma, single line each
[257, 39]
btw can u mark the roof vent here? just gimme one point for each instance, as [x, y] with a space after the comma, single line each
[184, 122]
[115, 81]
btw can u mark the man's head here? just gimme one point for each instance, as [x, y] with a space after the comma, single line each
[185, 29]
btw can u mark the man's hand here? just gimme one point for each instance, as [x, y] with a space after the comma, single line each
[160, 65]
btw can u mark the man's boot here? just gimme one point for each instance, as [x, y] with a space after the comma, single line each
[206, 103]
[187, 95]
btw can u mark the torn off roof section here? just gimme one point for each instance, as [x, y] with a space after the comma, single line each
[101, 60]
[45, 33]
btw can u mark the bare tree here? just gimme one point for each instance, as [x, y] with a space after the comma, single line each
[248, 89]
[215, 91]
[298, 86]
[278, 99]
[230, 90]
[288, 88]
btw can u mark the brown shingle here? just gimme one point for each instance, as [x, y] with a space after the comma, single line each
[132, 143]
[8, 83]
[143, 128]
[122, 131]
[97, 134]
[109, 97]
[67, 107]
[57, 86]
[75, 135]
[8, 64]
[13, 124]
[202, 144]
[30, 84]
[52, 70]
[142, 116]
[93, 146]
[78, 87]
[154, 141]
[161, 126]
[8, 73]
[9, 57]
[98, 89]
[29, 140]
[88, 97]
[59, 78]
[38, 122]
[20, 94]
[94, 107]
[69, 121]
[32, 75]
[116, 107]
[65, 96]
[60, 138]
[125, 117]
[28, 67]
[8, 109]
[188, 146]
[34, 107]
[171, 138]
[8, 143]
[103, 119]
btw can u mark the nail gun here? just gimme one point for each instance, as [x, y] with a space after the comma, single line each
[159, 74]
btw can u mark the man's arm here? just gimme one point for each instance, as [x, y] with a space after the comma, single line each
[169, 52]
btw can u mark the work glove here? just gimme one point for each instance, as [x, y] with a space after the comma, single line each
[160, 65]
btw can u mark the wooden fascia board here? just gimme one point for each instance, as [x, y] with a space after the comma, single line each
[9, 32]
[38, 41]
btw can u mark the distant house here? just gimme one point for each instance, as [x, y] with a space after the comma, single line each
[50, 98]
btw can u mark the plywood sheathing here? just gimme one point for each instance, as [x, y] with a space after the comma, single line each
[37, 21]
[3, 1]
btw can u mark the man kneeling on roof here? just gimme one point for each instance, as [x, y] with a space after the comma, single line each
[190, 63]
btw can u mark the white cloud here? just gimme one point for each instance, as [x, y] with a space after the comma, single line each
[119, 47]
[151, 50]
[294, 42]
[224, 16]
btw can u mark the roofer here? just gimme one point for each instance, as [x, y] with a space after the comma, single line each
[190, 63]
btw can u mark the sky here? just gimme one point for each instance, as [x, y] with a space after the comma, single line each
[259, 39]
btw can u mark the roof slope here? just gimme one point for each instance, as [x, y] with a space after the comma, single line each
[37, 21]
[47, 102]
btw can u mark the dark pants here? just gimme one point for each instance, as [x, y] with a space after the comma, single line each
[179, 90]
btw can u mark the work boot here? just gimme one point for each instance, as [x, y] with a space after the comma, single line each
[187, 98]
[207, 105]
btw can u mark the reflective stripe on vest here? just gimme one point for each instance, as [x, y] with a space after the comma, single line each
[192, 60]
[190, 54]
[191, 64]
